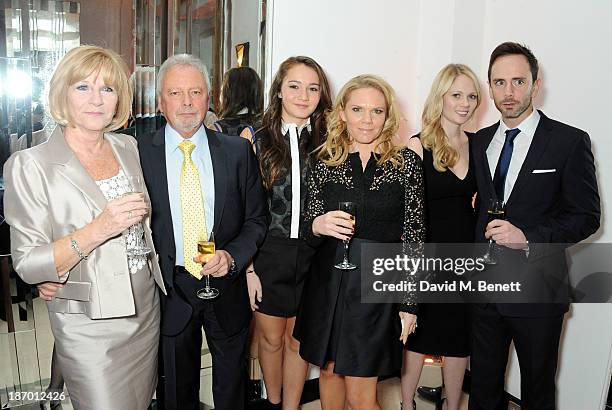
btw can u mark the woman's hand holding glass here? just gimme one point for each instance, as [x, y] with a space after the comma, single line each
[338, 224]
[121, 213]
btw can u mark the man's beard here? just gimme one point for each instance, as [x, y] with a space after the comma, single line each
[519, 108]
[185, 125]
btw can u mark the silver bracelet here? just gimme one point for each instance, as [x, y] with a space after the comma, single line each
[75, 247]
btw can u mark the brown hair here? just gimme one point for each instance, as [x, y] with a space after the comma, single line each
[241, 88]
[274, 152]
[79, 63]
[510, 48]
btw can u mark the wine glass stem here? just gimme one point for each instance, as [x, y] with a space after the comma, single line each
[346, 248]
[207, 286]
[488, 254]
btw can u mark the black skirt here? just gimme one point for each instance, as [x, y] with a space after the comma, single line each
[282, 265]
[444, 330]
[333, 325]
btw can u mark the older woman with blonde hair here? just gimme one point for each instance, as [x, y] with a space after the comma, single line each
[79, 229]
[355, 343]
[450, 184]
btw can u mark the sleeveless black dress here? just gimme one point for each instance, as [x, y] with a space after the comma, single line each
[332, 323]
[444, 328]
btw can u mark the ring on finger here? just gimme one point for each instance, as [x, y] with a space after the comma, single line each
[130, 214]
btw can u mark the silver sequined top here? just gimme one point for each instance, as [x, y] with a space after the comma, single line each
[115, 187]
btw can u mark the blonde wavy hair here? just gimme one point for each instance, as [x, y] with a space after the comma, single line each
[335, 150]
[79, 63]
[433, 136]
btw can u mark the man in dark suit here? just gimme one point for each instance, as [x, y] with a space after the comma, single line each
[200, 182]
[545, 173]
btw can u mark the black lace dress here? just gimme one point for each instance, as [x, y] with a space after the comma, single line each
[444, 328]
[332, 323]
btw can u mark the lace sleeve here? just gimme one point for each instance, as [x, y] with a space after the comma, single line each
[314, 201]
[413, 232]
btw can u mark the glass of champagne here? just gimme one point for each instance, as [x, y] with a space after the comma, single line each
[348, 207]
[496, 210]
[137, 185]
[206, 250]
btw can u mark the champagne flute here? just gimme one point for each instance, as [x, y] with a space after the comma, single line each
[348, 207]
[496, 210]
[136, 186]
[206, 250]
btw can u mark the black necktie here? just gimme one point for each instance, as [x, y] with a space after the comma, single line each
[499, 178]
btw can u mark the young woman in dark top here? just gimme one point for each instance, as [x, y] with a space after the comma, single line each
[352, 342]
[241, 103]
[292, 127]
[444, 328]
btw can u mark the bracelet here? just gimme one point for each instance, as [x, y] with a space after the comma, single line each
[250, 271]
[75, 247]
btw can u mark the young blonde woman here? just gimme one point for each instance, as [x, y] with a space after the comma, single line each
[444, 329]
[355, 343]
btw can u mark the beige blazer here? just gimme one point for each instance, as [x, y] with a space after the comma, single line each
[48, 195]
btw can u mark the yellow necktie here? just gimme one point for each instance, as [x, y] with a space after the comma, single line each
[192, 209]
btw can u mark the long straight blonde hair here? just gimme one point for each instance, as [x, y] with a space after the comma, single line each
[433, 136]
[335, 150]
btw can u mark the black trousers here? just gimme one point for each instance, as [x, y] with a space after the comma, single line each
[182, 356]
[536, 340]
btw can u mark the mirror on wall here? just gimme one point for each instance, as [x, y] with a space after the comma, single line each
[34, 36]
[15, 105]
[209, 29]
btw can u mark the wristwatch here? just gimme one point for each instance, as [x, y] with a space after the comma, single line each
[232, 268]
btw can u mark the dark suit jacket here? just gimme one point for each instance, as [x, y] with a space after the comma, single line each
[560, 207]
[241, 221]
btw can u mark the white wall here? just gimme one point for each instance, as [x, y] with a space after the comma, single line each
[349, 38]
[407, 42]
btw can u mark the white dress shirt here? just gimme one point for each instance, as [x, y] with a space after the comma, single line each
[522, 142]
[294, 135]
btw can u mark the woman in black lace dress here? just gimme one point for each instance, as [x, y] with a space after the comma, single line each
[293, 126]
[450, 184]
[355, 343]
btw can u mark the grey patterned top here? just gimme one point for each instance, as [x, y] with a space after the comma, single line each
[280, 197]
